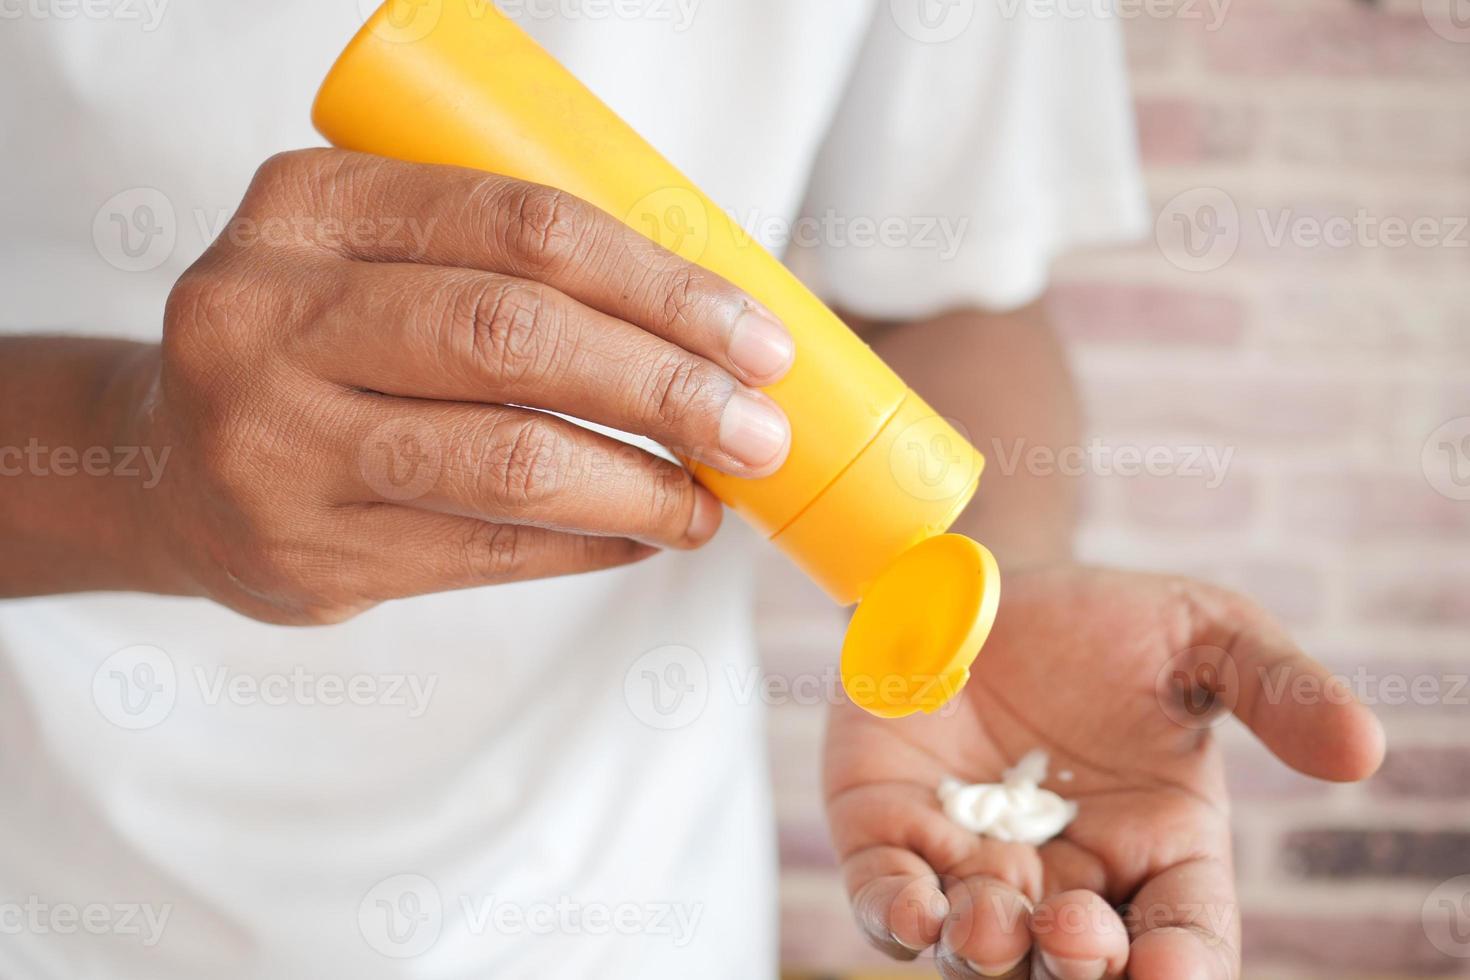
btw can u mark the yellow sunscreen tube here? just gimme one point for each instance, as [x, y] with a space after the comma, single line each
[874, 477]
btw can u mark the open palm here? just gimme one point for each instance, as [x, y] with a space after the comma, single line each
[1119, 677]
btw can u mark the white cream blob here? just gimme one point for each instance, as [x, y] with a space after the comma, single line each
[1017, 809]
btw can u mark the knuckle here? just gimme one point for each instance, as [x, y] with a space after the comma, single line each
[533, 464]
[291, 169]
[681, 295]
[548, 228]
[217, 313]
[511, 330]
[669, 495]
[495, 552]
[681, 388]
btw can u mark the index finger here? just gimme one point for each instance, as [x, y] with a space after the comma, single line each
[475, 220]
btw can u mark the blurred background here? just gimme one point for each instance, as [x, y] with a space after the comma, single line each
[1304, 306]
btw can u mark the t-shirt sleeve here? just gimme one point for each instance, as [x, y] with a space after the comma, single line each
[957, 168]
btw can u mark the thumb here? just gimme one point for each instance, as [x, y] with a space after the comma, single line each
[1308, 717]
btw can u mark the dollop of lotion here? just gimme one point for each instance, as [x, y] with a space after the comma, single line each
[1017, 809]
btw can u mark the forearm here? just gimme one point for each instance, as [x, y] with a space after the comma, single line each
[1004, 378]
[71, 468]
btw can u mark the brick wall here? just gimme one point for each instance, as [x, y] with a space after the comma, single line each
[1325, 366]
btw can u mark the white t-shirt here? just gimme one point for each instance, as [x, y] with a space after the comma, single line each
[554, 779]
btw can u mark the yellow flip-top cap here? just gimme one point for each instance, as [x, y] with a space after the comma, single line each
[913, 637]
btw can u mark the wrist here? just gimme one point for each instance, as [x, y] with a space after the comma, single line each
[75, 514]
[143, 499]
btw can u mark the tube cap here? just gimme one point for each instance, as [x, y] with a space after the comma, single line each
[917, 630]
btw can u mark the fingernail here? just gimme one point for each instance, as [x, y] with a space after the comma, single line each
[760, 346]
[753, 430]
[705, 520]
[1064, 969]
[995, 970]
[911, 949]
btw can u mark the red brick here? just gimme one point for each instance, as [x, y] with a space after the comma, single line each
[1291, 591]
[1428, 597]
[1344, 40]
[1225, 408]
[1406, 137]
[1432, 772]
[1096, 312]
[1364, 506]
[1189, 503]
[1180, 131]
[1406, 686]
[1347, 853]
[1333, 321]
[1254, 774]
[1344, 946]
